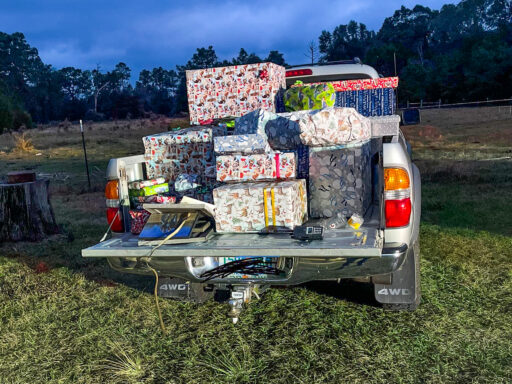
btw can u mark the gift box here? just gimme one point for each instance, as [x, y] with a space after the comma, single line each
[310, 96]
[244, 144]
[137, 201]
[138, 219]
[340, 180]
[139, 184]
[250, 207]
[358, 85]
[215, 93]
[257, 167]
[369, 102]
[149, 190]
[385, 125]
[333, 126]
[186, 151]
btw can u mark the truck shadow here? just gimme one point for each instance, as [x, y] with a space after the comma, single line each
[347, 290]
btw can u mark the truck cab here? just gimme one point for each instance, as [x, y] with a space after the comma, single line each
[384, 251]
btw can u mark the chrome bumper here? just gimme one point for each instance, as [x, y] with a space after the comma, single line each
[298, 270]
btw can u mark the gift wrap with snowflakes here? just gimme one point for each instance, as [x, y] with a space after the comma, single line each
[244, 144]
[257, 167]
[215, 93]
[340, 180]
[250, 207]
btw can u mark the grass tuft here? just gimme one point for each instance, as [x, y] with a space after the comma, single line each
[22, 142]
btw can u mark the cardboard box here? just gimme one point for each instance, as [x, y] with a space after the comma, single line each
[250, 207]
[215, 93]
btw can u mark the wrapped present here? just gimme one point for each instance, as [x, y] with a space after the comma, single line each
[310, 96]
[215, 93]
[340, 180]
[139, 184]
[326, 127]
[138, 219]
[244, 144]
[250, 207]
[385, 125]
[138, 201]
[185, 182]
[186, 151]
[333, 126]
[358, 85]
[150, 190]
[369, 102]
[257, 167]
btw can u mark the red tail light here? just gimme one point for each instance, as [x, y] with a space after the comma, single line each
[114, 218]
[298, 72]
[398, 212]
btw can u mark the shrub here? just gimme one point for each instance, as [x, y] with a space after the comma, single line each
[6, 117]
[21, 119]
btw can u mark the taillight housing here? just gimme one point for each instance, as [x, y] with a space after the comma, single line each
[298, 72]
[115, 219]
[114, 213]
[397, 195]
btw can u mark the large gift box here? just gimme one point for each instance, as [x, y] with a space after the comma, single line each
[245, 144]
[250, 207]
[340, 180]
[358, 85]
[186, 151]
[215, 93]
[325, 127]
[257, 167]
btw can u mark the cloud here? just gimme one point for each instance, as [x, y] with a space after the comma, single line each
[150, 33]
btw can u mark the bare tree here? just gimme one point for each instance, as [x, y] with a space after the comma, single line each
[312, 52]
[99, 82]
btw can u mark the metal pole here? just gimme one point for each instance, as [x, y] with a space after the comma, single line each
[85, 155]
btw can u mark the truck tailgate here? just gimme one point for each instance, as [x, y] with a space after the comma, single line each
[367, 242]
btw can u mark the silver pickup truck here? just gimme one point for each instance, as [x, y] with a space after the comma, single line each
[384, 251]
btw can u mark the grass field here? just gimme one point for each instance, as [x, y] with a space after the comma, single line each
[64, 319]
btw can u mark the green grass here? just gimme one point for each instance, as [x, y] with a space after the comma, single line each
[81, 322]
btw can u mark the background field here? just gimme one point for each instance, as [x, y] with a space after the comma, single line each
[65, 319]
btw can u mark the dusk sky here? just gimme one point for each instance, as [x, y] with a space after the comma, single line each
[152, 33]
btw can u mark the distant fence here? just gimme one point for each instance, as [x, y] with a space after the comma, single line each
[506, 103]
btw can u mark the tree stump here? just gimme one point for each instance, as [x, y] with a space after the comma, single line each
[26, 212]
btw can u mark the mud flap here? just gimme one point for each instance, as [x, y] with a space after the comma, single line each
[404, 287]
[180, 289]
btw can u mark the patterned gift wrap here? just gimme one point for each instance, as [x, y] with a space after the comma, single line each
[257, 167]
[245, 144]
[385, 125]
[215, 93]
[310, 96]
[333, 126]
[250, 207]
[358, 85]
[369, 102]
[138, 219]
[138, 201]
[139, 184]
[187, 151]
[150, 190]
[340, 180]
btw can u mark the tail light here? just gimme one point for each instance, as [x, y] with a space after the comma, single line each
[397, 194]
[114, 214]
[298, 72]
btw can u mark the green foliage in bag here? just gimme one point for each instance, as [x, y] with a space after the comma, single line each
[309, 97]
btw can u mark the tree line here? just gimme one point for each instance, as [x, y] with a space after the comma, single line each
[461, 52]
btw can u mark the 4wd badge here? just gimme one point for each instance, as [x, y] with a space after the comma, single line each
[394, 292]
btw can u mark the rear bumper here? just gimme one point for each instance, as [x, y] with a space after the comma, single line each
[298, 269]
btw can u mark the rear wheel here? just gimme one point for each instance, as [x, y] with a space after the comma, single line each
[404, 292]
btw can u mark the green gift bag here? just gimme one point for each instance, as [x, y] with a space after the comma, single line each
[309, 97]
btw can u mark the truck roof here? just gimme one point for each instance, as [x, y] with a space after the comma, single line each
[330, 71]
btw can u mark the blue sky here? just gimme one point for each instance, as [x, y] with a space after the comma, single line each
[151, 33]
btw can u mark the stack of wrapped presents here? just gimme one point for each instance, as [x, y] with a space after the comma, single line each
[293, 155]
